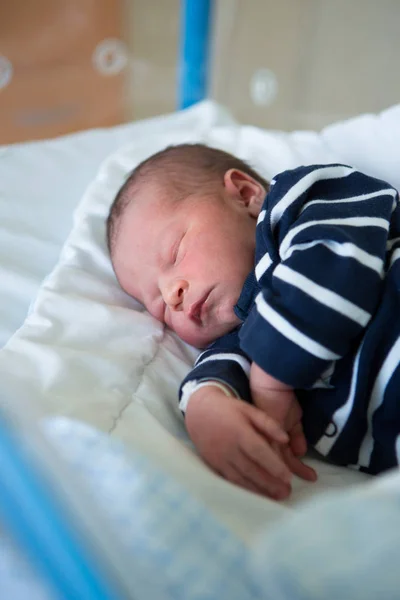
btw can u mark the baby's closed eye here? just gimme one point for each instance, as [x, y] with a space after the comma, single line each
[176, 254]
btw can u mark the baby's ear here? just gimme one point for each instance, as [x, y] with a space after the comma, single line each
[245, 189]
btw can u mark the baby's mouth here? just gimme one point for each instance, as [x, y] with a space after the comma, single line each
[198, 309]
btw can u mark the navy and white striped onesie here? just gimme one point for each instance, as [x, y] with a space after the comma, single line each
[321, 312]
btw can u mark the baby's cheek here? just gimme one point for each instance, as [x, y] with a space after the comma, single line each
[174, 323]
[191, 335]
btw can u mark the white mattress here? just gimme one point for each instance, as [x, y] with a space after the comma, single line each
[89, 351]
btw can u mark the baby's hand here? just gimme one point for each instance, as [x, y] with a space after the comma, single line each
[232, 437]
[279, 401]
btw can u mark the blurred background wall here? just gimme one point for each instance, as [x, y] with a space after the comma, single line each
[67, 65]
[305, 63]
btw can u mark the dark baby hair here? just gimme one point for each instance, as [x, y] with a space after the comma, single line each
[183, 170]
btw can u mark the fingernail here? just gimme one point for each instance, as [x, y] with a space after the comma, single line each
[281, 494]
[287, 478]
[276, 494]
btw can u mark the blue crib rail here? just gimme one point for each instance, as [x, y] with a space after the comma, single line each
[40, 523]
[196, 20]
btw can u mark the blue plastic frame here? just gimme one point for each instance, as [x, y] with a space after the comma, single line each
[195, 42]
[39, 523]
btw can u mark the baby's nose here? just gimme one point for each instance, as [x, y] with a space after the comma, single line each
[174, 293]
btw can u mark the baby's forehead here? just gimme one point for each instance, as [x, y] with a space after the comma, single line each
[157, 200]
[143, 197]
[154, 201]
[149, 206]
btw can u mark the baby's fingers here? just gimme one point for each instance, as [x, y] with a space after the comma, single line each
[234, 476]
[257, 477]
[298, 442]
[256, 448]
[298, 467]
[266, 425]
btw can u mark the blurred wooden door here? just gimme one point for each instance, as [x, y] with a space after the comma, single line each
[62, 65]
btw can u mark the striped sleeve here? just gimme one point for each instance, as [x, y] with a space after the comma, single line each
[222, 361]
[320, 271]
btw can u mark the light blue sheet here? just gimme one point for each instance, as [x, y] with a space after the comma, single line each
[344, 547]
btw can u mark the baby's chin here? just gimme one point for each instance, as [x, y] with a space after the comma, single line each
[203, 338]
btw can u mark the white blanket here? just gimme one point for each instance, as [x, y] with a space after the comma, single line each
[41, 183]
[165, 545]
[89, 351]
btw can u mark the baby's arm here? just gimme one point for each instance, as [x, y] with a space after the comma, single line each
[222, 361]
[233, 438]
[215, 422]
[279, 401]
[321, 252]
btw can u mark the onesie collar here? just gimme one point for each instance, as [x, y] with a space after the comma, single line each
[247, 297]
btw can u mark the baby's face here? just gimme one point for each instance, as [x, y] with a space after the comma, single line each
[187, 261]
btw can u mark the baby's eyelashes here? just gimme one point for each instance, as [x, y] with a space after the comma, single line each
[176, 251]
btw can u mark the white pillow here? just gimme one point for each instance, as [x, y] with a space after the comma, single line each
[89, 351]
[41, 183]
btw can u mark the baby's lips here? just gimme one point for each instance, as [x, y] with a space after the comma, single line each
[194, 312]
[197, 309]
